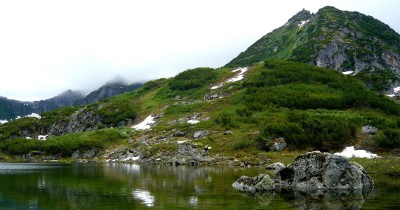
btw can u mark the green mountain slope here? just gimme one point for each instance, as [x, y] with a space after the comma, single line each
[334, 39]
[310, 107]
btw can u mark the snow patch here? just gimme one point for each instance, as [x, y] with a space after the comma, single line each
[236, 78]
[34, 115]
[350, 152]
[391, 95]
[193, 121]
[145, 196]
[302, 23]
[42, 137]
[347, 72]
[239, 76]
[145, 124]
[396, 89]
[217, 86]
[181, 141]
[3, 121]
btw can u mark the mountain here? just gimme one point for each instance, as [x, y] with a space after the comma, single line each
[108, 90]
[234, 114]
[331, 38]
[10, 109]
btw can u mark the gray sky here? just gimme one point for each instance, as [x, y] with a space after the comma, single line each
[50, 46]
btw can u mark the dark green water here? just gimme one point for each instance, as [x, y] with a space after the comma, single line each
[126, 186]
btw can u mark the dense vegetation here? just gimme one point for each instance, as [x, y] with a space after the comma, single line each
[65, 145]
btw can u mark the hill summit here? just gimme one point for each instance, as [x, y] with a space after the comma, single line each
[341, 40]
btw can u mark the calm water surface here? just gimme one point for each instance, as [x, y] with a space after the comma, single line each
[129, 186]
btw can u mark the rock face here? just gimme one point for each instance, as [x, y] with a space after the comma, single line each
[82, 120]
[258, 183]
[320, 172]
[313, 174]
[334, 39]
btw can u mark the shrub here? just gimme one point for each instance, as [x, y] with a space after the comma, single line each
[193, 78]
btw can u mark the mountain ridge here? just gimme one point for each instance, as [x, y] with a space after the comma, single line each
[331, 38]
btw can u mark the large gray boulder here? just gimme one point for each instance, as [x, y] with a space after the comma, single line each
[255, 184]
[320, 172]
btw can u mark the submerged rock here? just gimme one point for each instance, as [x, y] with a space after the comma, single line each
[255, 184]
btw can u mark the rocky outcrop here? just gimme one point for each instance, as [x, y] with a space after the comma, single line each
[82, 120]
[258, 183]
[314, 173]
[320, 172]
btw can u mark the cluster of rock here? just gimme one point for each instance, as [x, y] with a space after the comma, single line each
[82, 120]
[185, 154]
[314, 172]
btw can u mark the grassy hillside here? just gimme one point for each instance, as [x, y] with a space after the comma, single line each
[310, 107]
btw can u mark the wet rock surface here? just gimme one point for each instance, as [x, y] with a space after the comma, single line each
[320, 172]
[255, 184]
[314, 175]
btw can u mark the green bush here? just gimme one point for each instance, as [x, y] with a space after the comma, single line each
[388, 138]
[14, 128]
[242, 143]
[192, 79]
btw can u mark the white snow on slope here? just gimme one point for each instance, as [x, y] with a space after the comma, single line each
[350, 152]
[396, 89]
[391, 95]
[236, 78]
[193, 121]
[145, 124]
[347, 72]
[3, 121]
[302, 23]
[34, 115]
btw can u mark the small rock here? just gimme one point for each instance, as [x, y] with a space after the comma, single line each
[91, 153]
[276, 167]
[258, 183]
[201, 134]
[77, 154]
[228, 132]
[369, 130]
[277, 145]
[179, 134]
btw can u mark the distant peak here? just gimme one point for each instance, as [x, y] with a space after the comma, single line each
[328, 8]
[301, 16]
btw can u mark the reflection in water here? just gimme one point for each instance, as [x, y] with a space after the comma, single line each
[193, 200]
[144, 196]
[129, 186]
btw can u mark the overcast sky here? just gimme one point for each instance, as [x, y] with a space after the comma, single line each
[47, 47]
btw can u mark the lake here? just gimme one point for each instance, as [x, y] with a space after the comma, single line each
[129, 186]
